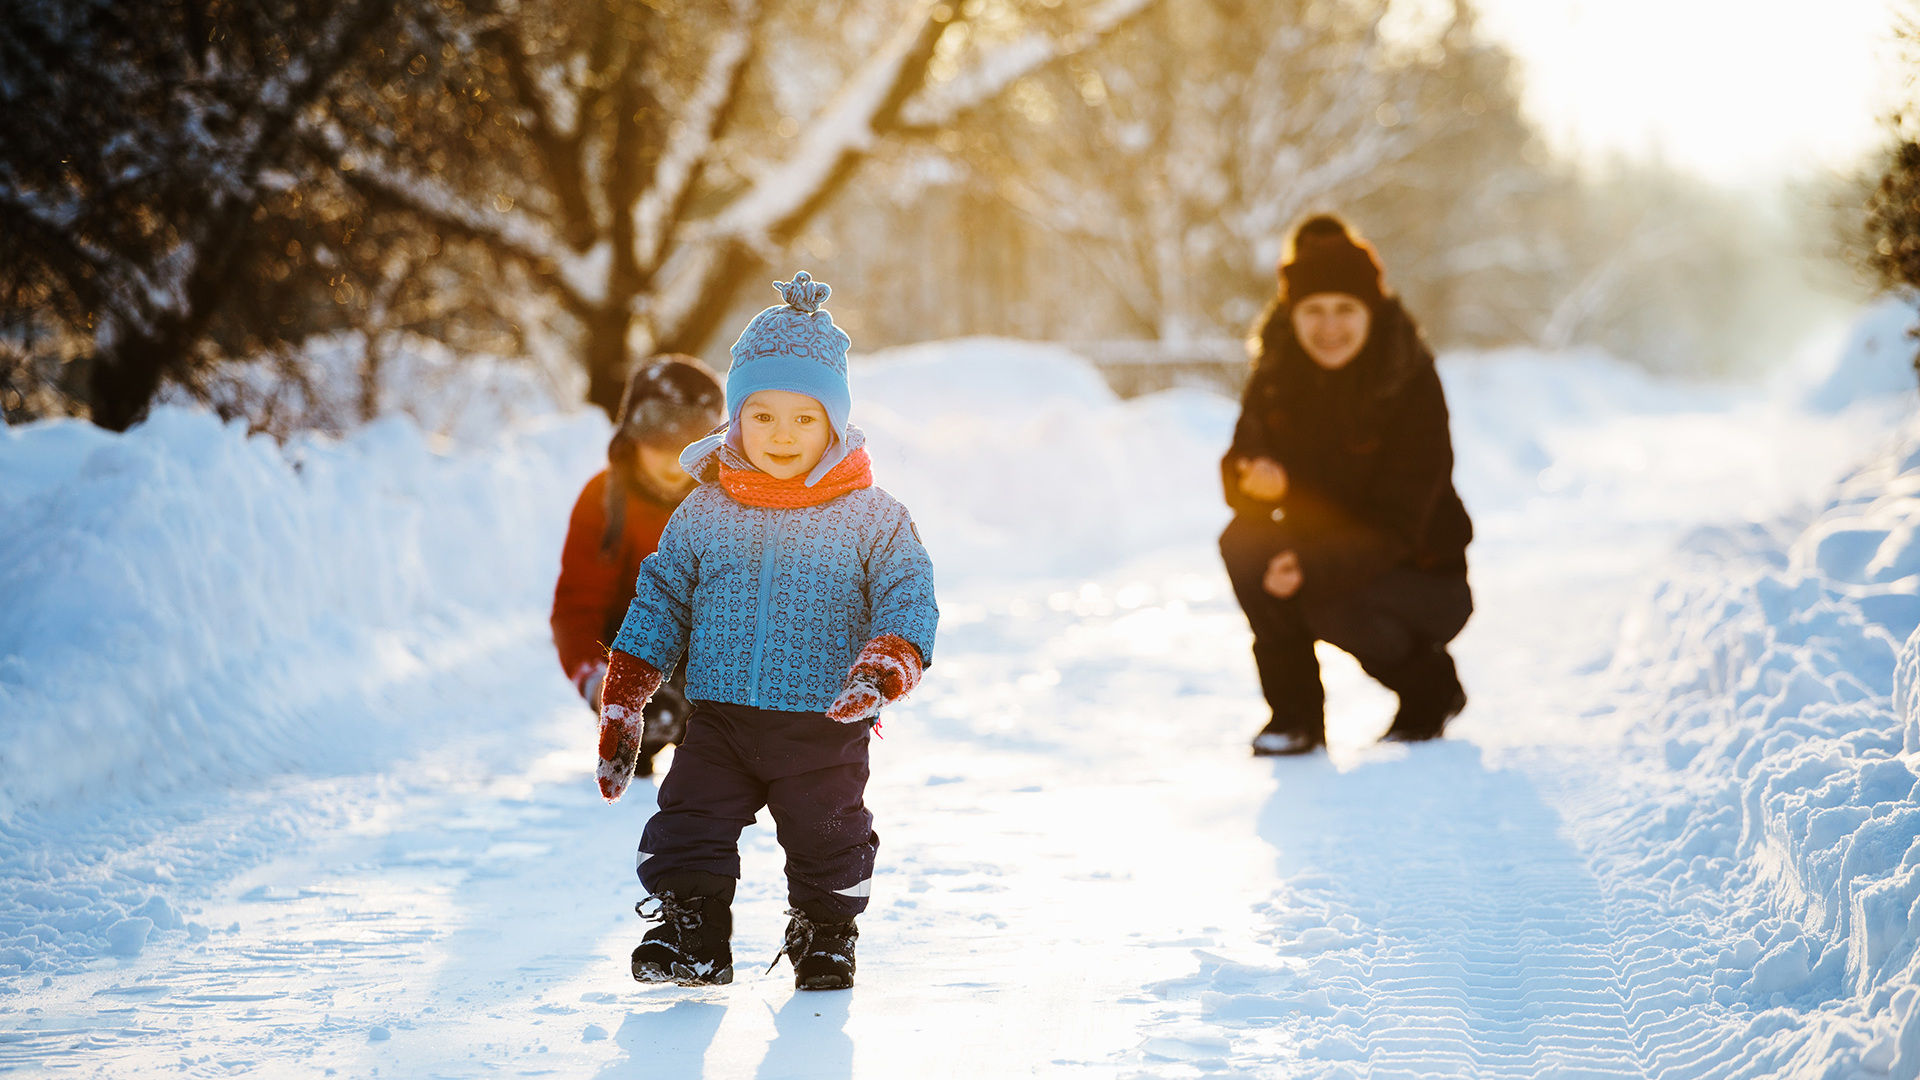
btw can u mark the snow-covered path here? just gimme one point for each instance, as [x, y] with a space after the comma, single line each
[1082, 872]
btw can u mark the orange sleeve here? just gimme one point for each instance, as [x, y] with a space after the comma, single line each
[589, 586]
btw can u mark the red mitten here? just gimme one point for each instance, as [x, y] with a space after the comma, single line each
[587, 679]
[623, 699]
[887, 670]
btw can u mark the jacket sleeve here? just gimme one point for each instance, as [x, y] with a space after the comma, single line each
[900, 585]
[1340, 550]
[1250, 440]
[589, 587]
[660, 617]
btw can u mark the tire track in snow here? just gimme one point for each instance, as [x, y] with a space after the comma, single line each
[1435, 922]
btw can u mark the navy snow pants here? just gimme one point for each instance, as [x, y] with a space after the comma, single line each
[808, 770]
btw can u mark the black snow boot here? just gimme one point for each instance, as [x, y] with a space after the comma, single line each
[692, 945]
[666, 725]
[1430, 695]
[822, 952]
[1279, 739]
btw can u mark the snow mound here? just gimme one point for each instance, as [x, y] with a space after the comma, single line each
[193, 610]
[465, 398]
[1780, 770]
[188, 604]
[1017, 459]
[1876, 359]
[1504, 401]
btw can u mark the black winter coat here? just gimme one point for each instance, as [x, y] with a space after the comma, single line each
[1366, 449]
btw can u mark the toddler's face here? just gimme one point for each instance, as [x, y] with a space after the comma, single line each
[783, 433]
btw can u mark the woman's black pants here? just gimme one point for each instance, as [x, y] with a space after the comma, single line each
[1397, 626]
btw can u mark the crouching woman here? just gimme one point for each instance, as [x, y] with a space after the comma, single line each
[1346, 526]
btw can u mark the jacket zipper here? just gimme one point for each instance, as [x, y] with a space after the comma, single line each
[772, 526]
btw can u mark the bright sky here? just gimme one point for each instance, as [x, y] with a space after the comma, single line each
[1740, 91]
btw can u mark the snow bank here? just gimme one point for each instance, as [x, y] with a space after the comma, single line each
[1779, 786]
[1017, 459]
[465, 398]
[186, 604]
[1503, 402]
[1876, 360]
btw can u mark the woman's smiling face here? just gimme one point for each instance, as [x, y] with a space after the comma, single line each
[783, 433]
[1332, 327]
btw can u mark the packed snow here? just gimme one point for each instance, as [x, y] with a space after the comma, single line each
[290, 780]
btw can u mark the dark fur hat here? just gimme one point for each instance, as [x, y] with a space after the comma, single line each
[671, 400]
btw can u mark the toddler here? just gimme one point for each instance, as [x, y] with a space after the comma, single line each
[802, 599]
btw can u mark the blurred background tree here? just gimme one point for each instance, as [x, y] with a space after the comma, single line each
[193, 192]
[642, 162]
[279, 207]
[140, 144]
[1145, 188]
[1886, 238]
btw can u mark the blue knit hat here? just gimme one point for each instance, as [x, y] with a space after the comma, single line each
[795, 347]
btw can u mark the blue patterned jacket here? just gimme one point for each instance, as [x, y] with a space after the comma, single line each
[772, 606]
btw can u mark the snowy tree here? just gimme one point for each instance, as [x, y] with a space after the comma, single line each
[138, 142]
[1893, 220]
[644, 162]
[1177, 154]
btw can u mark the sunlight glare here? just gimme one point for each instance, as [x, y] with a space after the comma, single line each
[1742, 93]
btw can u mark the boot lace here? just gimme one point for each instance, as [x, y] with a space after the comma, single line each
[798, 939]
[801, 934]
[682, 914]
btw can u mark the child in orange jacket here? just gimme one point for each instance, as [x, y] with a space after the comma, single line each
[669, 402]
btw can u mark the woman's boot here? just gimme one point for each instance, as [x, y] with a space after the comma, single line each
[1288, 739]
[1430, 694]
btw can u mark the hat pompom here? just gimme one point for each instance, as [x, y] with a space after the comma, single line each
[803, 293]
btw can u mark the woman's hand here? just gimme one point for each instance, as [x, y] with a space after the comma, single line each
[1283, 575]
[1262, 478]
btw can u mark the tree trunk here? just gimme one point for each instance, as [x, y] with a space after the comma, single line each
[372, 361]
[122, 381]
[606, 358]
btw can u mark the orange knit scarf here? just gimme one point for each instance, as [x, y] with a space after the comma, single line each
[755, 488]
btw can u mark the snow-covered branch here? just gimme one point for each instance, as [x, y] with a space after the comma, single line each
[690, 141]
[514, 232]
[871, 104]
[90, 271]
[940, 105]
[543, 88]
[845, 129]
